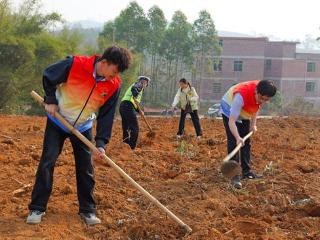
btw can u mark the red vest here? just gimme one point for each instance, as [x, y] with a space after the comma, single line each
[247, 90]
[73, 94]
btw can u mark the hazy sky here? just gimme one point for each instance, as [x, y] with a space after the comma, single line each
[288, 20]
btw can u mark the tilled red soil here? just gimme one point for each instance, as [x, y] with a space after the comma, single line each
[184, 176]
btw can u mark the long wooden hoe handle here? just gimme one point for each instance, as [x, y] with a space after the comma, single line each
[113, 165]
[142, 115]
[230, 155]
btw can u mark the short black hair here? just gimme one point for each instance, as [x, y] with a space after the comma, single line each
[266, 88]
[118, 56]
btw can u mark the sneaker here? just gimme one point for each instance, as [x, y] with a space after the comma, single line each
[90, 218]
[235, 182]
[179, 137]
[198, 138]
[35, 216]
[250, 176]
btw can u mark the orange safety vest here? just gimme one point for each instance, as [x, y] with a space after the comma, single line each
[247, 90]
[73, 94]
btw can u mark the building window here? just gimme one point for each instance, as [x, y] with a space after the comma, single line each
[310, 86]
[311, 67]
[216, 87]
[217, 65]
[268, 64]
[220, 42]
[237, 66]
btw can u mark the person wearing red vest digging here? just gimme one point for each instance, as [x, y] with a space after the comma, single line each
[77, 88]
[239, 108]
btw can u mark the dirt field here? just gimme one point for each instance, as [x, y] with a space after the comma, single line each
[183, 176]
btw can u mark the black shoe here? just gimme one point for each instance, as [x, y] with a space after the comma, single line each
[250, 176]
[235, 182]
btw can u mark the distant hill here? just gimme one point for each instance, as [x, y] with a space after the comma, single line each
[90, 35]
[99, 25]
[86, 24]
[233, 34]
[90, 30]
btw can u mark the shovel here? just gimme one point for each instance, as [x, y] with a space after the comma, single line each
[151, 133]
[231, 168]
[115, 166]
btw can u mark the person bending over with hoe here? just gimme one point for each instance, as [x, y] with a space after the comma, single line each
[77, 87]
[129, 107]
[239, 108]
[187, 100]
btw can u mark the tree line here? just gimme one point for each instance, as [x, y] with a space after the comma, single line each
[169, 49]
[164, 50]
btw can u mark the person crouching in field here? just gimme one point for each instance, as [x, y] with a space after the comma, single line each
[77, 87]
[187, 100]
[129, 108]
[239, 108]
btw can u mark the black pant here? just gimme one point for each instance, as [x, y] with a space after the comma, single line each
[195, 121]
[52, 145]
[243, 129]
[130, 126]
